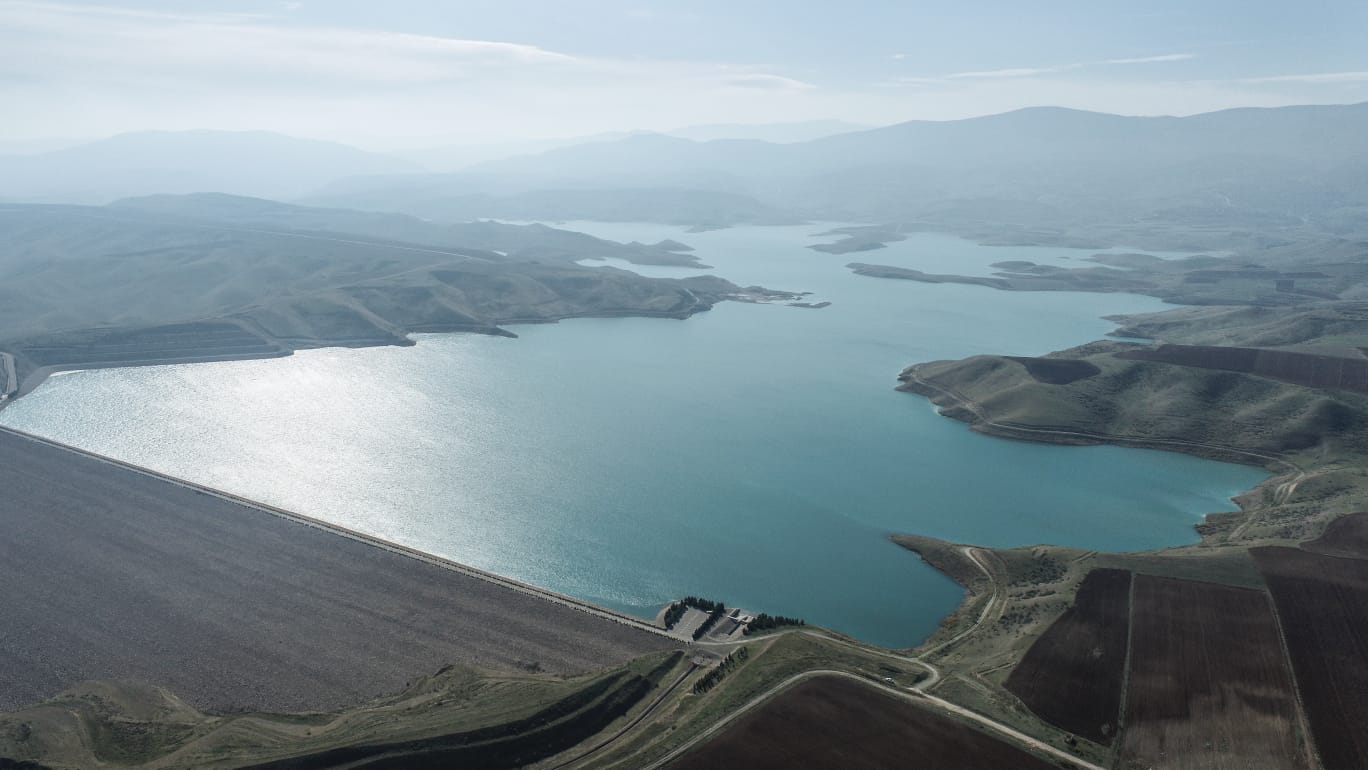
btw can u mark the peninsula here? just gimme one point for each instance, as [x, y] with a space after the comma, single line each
[172, 279]
[1240, 632]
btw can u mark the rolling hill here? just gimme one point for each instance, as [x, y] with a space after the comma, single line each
[214, 277]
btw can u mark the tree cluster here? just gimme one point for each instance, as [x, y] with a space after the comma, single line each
[764, 622]
[677, 609]
[674, 613]
[710, 679]
[713, 617]
[707, 605]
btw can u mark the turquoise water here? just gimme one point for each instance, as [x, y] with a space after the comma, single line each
[757, 454]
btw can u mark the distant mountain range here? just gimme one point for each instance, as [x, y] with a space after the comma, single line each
[1033, 175]
[270, 165]
[255, 163]
[456, 157]
[778, 133]
[1269, 169]
[998, 153]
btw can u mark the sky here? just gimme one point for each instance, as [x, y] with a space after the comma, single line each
[395, 74]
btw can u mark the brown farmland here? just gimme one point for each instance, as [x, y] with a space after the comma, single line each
[1311, 370]
[834, 722]
[1323, 604]
[1346, 536]
[109, 573]
[1209, 687]
[1072, 675]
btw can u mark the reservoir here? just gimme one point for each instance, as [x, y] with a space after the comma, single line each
[756, 454]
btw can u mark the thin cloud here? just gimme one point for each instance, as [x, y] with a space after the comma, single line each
[767, 82]
[10, 7]
[1025, 72]
[1317, 77]
[110, 69]
[1168, 57]
[1011, 72]
[121, 69]
[79, 43]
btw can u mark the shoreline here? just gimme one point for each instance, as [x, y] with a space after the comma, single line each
[35, 378]
[38, 376]
[288, 346]
[957, 407]
[363, 538]
[285, 347]
[1284, 474]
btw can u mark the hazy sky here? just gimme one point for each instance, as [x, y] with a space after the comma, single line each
[388, 73]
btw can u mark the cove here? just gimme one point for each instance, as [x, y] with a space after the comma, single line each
[756, 454]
